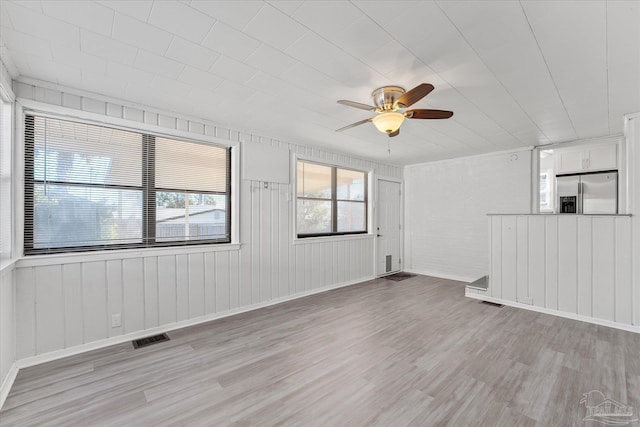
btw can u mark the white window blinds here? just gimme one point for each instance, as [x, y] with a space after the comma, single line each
[93, 187]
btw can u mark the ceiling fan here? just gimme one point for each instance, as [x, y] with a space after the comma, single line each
[390, 101]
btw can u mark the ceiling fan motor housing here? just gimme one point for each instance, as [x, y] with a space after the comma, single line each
[384, 98]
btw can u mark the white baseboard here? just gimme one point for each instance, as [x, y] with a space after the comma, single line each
[71, 351]
[441, 275]
[565, 314]
[7, 383]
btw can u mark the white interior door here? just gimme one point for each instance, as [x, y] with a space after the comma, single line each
[388, 224]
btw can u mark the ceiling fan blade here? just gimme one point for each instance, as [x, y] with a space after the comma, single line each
[414, 95]
[428, 114]
[352, 125]
[357, 105]
[396, 133]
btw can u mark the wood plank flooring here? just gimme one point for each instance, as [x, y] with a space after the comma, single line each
[415, 352]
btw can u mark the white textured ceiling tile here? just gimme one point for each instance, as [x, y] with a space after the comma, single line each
[623, 47]
[158, 64]
[233, 12]
[78, 59]
[53, 71]
[230, 69]
[326, 17]
[99, 83]
[199, 79]
[390, 57]
[192, 54]
[350, 38]
[572, 36]
[181, 20]
[305, 76]
[128, 73]
[229, 41]
[275, 28]
[82, 13]
[35, 5]
[138, 9]
[107, 48]
[130, 30]
[270, 60]
[288, 7]
[20, 62]
[170, 87]
[500, 34]
[320, 54]
[42, 26]
[231, 90]
[34, 45]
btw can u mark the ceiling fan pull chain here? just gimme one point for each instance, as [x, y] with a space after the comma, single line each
[388, 144]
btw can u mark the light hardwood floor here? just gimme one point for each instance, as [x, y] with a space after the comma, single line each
[415, 352]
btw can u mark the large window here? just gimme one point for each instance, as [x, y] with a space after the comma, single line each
[330, 200]
[91, 187]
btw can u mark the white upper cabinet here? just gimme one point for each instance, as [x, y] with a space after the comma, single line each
[587, 159]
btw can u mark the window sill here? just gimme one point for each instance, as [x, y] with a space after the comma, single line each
[339, 238]
[74, 257]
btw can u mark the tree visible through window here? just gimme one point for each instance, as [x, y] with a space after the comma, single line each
[330, 200]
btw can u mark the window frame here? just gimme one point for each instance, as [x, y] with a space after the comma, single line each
[34, 108]
[334, 200]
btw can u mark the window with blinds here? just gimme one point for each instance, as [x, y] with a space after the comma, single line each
[90, 187]
[330, 200]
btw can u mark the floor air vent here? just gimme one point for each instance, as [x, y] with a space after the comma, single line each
[493, 304]
[143, 342]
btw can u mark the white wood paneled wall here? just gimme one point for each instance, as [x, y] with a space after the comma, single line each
[7, 323]
[70, 302]
[577, 264]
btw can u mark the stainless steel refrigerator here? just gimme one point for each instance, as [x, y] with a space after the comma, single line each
[593, 193]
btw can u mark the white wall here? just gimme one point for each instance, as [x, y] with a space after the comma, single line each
[7, 282]
[67, 301]
[632, 133]
[446, 204]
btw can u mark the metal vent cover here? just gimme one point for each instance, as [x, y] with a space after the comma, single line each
[147, 341]
[493, 304]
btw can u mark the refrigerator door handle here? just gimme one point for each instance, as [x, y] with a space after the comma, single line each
[580, 197]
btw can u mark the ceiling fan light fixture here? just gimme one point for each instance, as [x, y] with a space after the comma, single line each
[388, 122]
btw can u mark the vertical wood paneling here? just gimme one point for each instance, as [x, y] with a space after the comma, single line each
[495, 240]
[114, 294]
[537, 260]
[568, 264]
[150, 291]
[522, 262]
[94, 300]
[196, 285]
[256, 262]
[7, 321]
[167, 289]
[245, 290]
[210, 282]
[222, 281]
[133, 292]
[623, 286]
[551, 254]
[265, 243]
[284, 239]
[509, 258]
[151, 313]
[234, 282]
[585, 295]
[25, 313]
[49, 309]
[603, 269]
[73, 307]
[182, 287]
